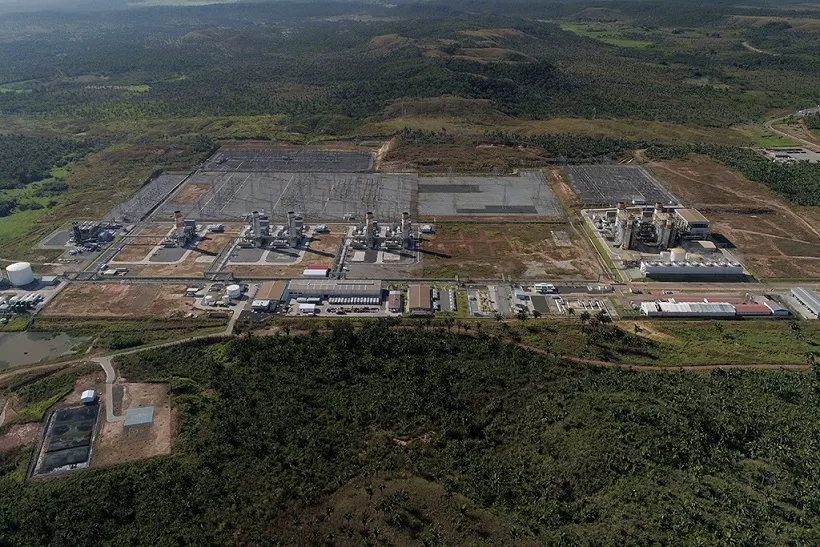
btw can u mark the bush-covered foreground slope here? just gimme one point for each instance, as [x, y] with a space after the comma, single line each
[396, 436]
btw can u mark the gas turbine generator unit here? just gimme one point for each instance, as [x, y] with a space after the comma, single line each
[397, 236]
[259, 233]
[653, 227]
[184, 231]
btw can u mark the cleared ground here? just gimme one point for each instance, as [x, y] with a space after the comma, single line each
[606, 185]
[520, 251]
[276, 159]
[118, 443]
[773, 238]
[137, 248]
[119, 300]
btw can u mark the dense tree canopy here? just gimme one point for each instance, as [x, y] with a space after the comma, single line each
[275, 433]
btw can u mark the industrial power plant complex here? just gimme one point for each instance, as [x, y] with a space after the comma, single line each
[255, 233]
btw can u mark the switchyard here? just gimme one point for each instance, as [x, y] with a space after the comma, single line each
[606, 185]
[143, 202]
[318, 196]
[340, 186]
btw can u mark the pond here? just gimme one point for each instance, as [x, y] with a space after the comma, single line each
[23, 348]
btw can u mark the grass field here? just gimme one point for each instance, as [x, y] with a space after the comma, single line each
[672, 343]
[115, 333]
[612, 34]
[518, 251]
[474, 117]
[774, 238]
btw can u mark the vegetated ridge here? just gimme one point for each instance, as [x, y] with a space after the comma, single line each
[403, 436]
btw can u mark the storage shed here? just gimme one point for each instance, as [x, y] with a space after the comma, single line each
[419, 300]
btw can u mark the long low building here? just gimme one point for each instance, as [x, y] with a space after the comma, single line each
[687, 309]
[682, 269]
[366, 289]
[809, 298]
[271, 295]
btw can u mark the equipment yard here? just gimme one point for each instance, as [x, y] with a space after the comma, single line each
[119, 300]
[606, 185]
[773, 238]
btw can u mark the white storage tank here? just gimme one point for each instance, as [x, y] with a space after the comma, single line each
[234, 291]
[678, 254]
[20, 274]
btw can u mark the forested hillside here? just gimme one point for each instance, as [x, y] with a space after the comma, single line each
[26, 159]
[389, 436]
[326, 67]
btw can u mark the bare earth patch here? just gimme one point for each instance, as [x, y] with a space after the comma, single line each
[20, 435]
[526, 250]
[774, 238]
[117, 443]
[119, 300]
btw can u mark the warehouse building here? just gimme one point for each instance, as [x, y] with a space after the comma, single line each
[752, 310]
[419, 300]
[341, 291]
[778, 309]
[270, 296]
[809, 298]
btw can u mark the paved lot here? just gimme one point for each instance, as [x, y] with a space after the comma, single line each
[539, 304]
[526, 195]
[606, 185]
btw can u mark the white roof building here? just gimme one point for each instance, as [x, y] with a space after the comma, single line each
[687, 309]
[329, 288]
[88, 396]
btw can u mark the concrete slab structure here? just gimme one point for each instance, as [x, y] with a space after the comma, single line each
[137, 416]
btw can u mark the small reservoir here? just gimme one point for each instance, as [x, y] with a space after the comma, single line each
[24, 348]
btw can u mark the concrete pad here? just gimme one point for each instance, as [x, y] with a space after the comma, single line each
[168, 254]
[250, 254]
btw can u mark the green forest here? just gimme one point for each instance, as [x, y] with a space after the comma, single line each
[304, 62]
[387, 436]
